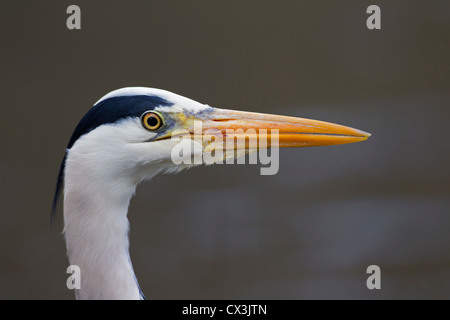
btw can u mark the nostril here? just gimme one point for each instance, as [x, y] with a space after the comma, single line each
[222, 120]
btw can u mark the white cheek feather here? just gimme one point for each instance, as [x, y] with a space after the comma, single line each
[109, 150]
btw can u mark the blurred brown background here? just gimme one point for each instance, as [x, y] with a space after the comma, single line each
[225, 231]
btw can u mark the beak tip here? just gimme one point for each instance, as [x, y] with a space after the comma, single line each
[364, 135]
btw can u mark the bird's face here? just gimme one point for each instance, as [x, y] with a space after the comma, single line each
[132, 133]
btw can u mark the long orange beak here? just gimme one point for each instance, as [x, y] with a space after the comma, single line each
[292, 131]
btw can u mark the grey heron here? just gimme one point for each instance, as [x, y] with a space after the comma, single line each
[126, 138]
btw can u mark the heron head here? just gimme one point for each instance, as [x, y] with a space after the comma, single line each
[130, 135]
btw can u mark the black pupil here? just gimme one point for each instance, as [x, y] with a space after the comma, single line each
[152, 121]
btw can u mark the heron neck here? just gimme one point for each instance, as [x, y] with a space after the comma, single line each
[96, 232]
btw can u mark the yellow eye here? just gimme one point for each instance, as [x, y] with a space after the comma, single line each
[152, 120]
